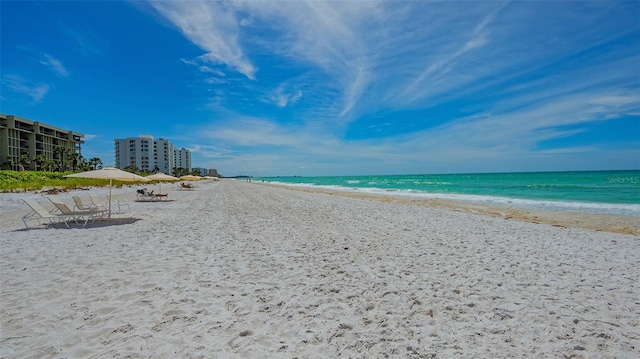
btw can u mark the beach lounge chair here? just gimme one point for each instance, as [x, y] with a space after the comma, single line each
[97, 202]
[80, 206]
[40, 214]
[185, 186]
[119, 202]
[162, 196]
[77, 215]
[144, 195]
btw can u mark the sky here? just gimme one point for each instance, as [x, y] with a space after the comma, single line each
[315, 88]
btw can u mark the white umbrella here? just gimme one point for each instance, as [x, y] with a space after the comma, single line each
[111, 174]
[162, 177]
[190, 178]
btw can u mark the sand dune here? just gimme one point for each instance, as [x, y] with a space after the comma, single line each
[240, 270]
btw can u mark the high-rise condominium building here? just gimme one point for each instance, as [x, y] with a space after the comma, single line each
[150, 155]
[165, 155]
[183, 158]
[20, 137]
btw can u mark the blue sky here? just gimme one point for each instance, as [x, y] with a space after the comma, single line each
[336, 88]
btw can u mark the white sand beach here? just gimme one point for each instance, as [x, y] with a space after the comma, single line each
[243, 270]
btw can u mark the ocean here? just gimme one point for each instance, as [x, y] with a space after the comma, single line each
[609, 192]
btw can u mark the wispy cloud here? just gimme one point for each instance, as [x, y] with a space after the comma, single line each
[17, 84]
[55, 65]
[284, 95]
[496, 141]
[213, 27]
[442, 64]
[321, 34]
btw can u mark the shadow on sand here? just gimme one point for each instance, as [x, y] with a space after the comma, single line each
[90, 225]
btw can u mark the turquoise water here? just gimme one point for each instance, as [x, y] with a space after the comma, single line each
[614, 192]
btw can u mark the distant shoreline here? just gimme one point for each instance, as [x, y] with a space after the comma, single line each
[593, 221]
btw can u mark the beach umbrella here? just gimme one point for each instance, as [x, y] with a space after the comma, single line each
[111, 174]
[162, 177]
[190, 178]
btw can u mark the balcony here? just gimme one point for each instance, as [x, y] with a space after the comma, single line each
[46, 131]
[24, 126]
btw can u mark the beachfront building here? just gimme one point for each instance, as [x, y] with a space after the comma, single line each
[135, 151]
[183, 159]
[164, 154]
[202, 171]
[29, 144]
[150, 155]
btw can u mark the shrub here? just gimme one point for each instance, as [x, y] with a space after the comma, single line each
[12, 181]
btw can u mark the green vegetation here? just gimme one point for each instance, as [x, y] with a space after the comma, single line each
[65, 159]
[15, 181]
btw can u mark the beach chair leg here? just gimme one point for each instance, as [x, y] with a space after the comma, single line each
[24, 219]
[86, 219]
[25, 222]
[65, 220]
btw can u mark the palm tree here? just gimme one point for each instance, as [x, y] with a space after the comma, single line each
[94, 163]
[131, 168]
[39, 160]
[60, 151]
[24, 159]
[65, 156]
[48, 165]
[179, 171]
[84, 165]
[75, 157]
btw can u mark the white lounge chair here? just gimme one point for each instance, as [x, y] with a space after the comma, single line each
[41, 215]
[76, 216]
[80, 206]
[119, 202]
[95, 201]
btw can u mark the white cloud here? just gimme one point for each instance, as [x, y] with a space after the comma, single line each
[55, 65]
[285, 94]
[213, 27]
[17, 84]
[498, 142]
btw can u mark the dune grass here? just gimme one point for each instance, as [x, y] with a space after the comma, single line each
[20, 181]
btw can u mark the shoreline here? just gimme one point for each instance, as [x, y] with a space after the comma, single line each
[593, 221]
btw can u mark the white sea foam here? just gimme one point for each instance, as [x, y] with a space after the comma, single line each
[547, 205]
